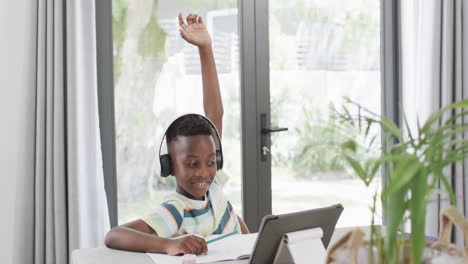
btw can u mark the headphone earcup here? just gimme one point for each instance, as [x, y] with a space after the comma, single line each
[219, 160]
[165, 162]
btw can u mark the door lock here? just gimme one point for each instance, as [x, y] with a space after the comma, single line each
[265, 135]
[265, 150]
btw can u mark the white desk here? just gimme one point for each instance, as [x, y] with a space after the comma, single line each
[111, 256]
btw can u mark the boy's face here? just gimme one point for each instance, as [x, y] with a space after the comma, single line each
[194, 163]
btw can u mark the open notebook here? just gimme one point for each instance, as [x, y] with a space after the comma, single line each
[229, 248]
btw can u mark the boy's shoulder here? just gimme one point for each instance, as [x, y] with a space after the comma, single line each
[221, 179]
[174, 206]
[173, 199]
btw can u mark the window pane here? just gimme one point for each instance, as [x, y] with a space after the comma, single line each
[157, 78]
[321, 51]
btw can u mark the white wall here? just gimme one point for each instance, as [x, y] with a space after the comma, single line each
[17, 91]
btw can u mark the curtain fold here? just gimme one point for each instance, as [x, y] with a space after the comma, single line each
[88, 209]
[435, 66]
[70, 209]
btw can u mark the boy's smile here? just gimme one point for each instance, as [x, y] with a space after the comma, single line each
[194, 164]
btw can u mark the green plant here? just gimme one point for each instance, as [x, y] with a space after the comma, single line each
[414, 162]
[318, 148]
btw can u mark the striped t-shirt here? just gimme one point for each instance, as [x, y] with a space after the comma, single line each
[179, 215]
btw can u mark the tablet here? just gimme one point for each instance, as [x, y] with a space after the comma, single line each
[273, 227]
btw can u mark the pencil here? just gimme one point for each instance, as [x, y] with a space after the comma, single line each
[221, 237]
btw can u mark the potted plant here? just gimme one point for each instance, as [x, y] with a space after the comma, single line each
[414, 162]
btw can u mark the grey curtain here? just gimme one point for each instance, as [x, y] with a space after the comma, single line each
[70, 209]
[450, 80]
[51, 229]
[435, 74]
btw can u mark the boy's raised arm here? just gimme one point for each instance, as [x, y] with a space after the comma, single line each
[194, 32]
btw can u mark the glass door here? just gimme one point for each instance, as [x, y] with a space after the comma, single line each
[295, 61]
[320, 52]
[157, 78]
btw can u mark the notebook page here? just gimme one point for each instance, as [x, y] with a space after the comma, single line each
[228, 248]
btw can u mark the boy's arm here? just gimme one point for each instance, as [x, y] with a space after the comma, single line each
[135, 236]
[138, 236]
[195, 33]
[243, 226]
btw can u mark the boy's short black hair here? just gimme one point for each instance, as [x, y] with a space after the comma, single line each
[189, 125]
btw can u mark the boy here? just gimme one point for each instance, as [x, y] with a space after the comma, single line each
[198, 208]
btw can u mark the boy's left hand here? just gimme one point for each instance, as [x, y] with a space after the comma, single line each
[194, 32]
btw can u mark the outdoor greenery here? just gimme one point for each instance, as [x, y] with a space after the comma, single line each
[316, 151]
[135, 75]
[353, 31]
[319, 143]
[152, 39]
[134, 80]
[415, 162]
[119, 26]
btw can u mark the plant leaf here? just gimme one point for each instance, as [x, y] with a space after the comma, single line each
[438, 115]
[389, 126]
[417, 206]
[349, 145]
[448, 189]
[402, 175]
[396, 207]
[357, 168]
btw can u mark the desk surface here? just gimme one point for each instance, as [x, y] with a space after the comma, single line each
[112, 256]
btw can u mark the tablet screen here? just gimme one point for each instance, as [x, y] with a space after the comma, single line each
[273, 227]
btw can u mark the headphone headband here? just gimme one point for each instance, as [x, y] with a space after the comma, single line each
[165, 162]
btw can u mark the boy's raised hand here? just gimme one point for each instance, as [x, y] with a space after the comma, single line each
[194, 32]
[189, 244]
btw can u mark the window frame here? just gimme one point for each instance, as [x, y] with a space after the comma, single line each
[391, 70]
[105, 83]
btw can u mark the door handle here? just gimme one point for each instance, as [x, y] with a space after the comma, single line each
[265, 132]
[274, 129]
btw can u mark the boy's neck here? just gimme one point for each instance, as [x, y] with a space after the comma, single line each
[181, 191]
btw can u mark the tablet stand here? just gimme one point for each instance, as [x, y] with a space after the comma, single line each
[299, 247]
